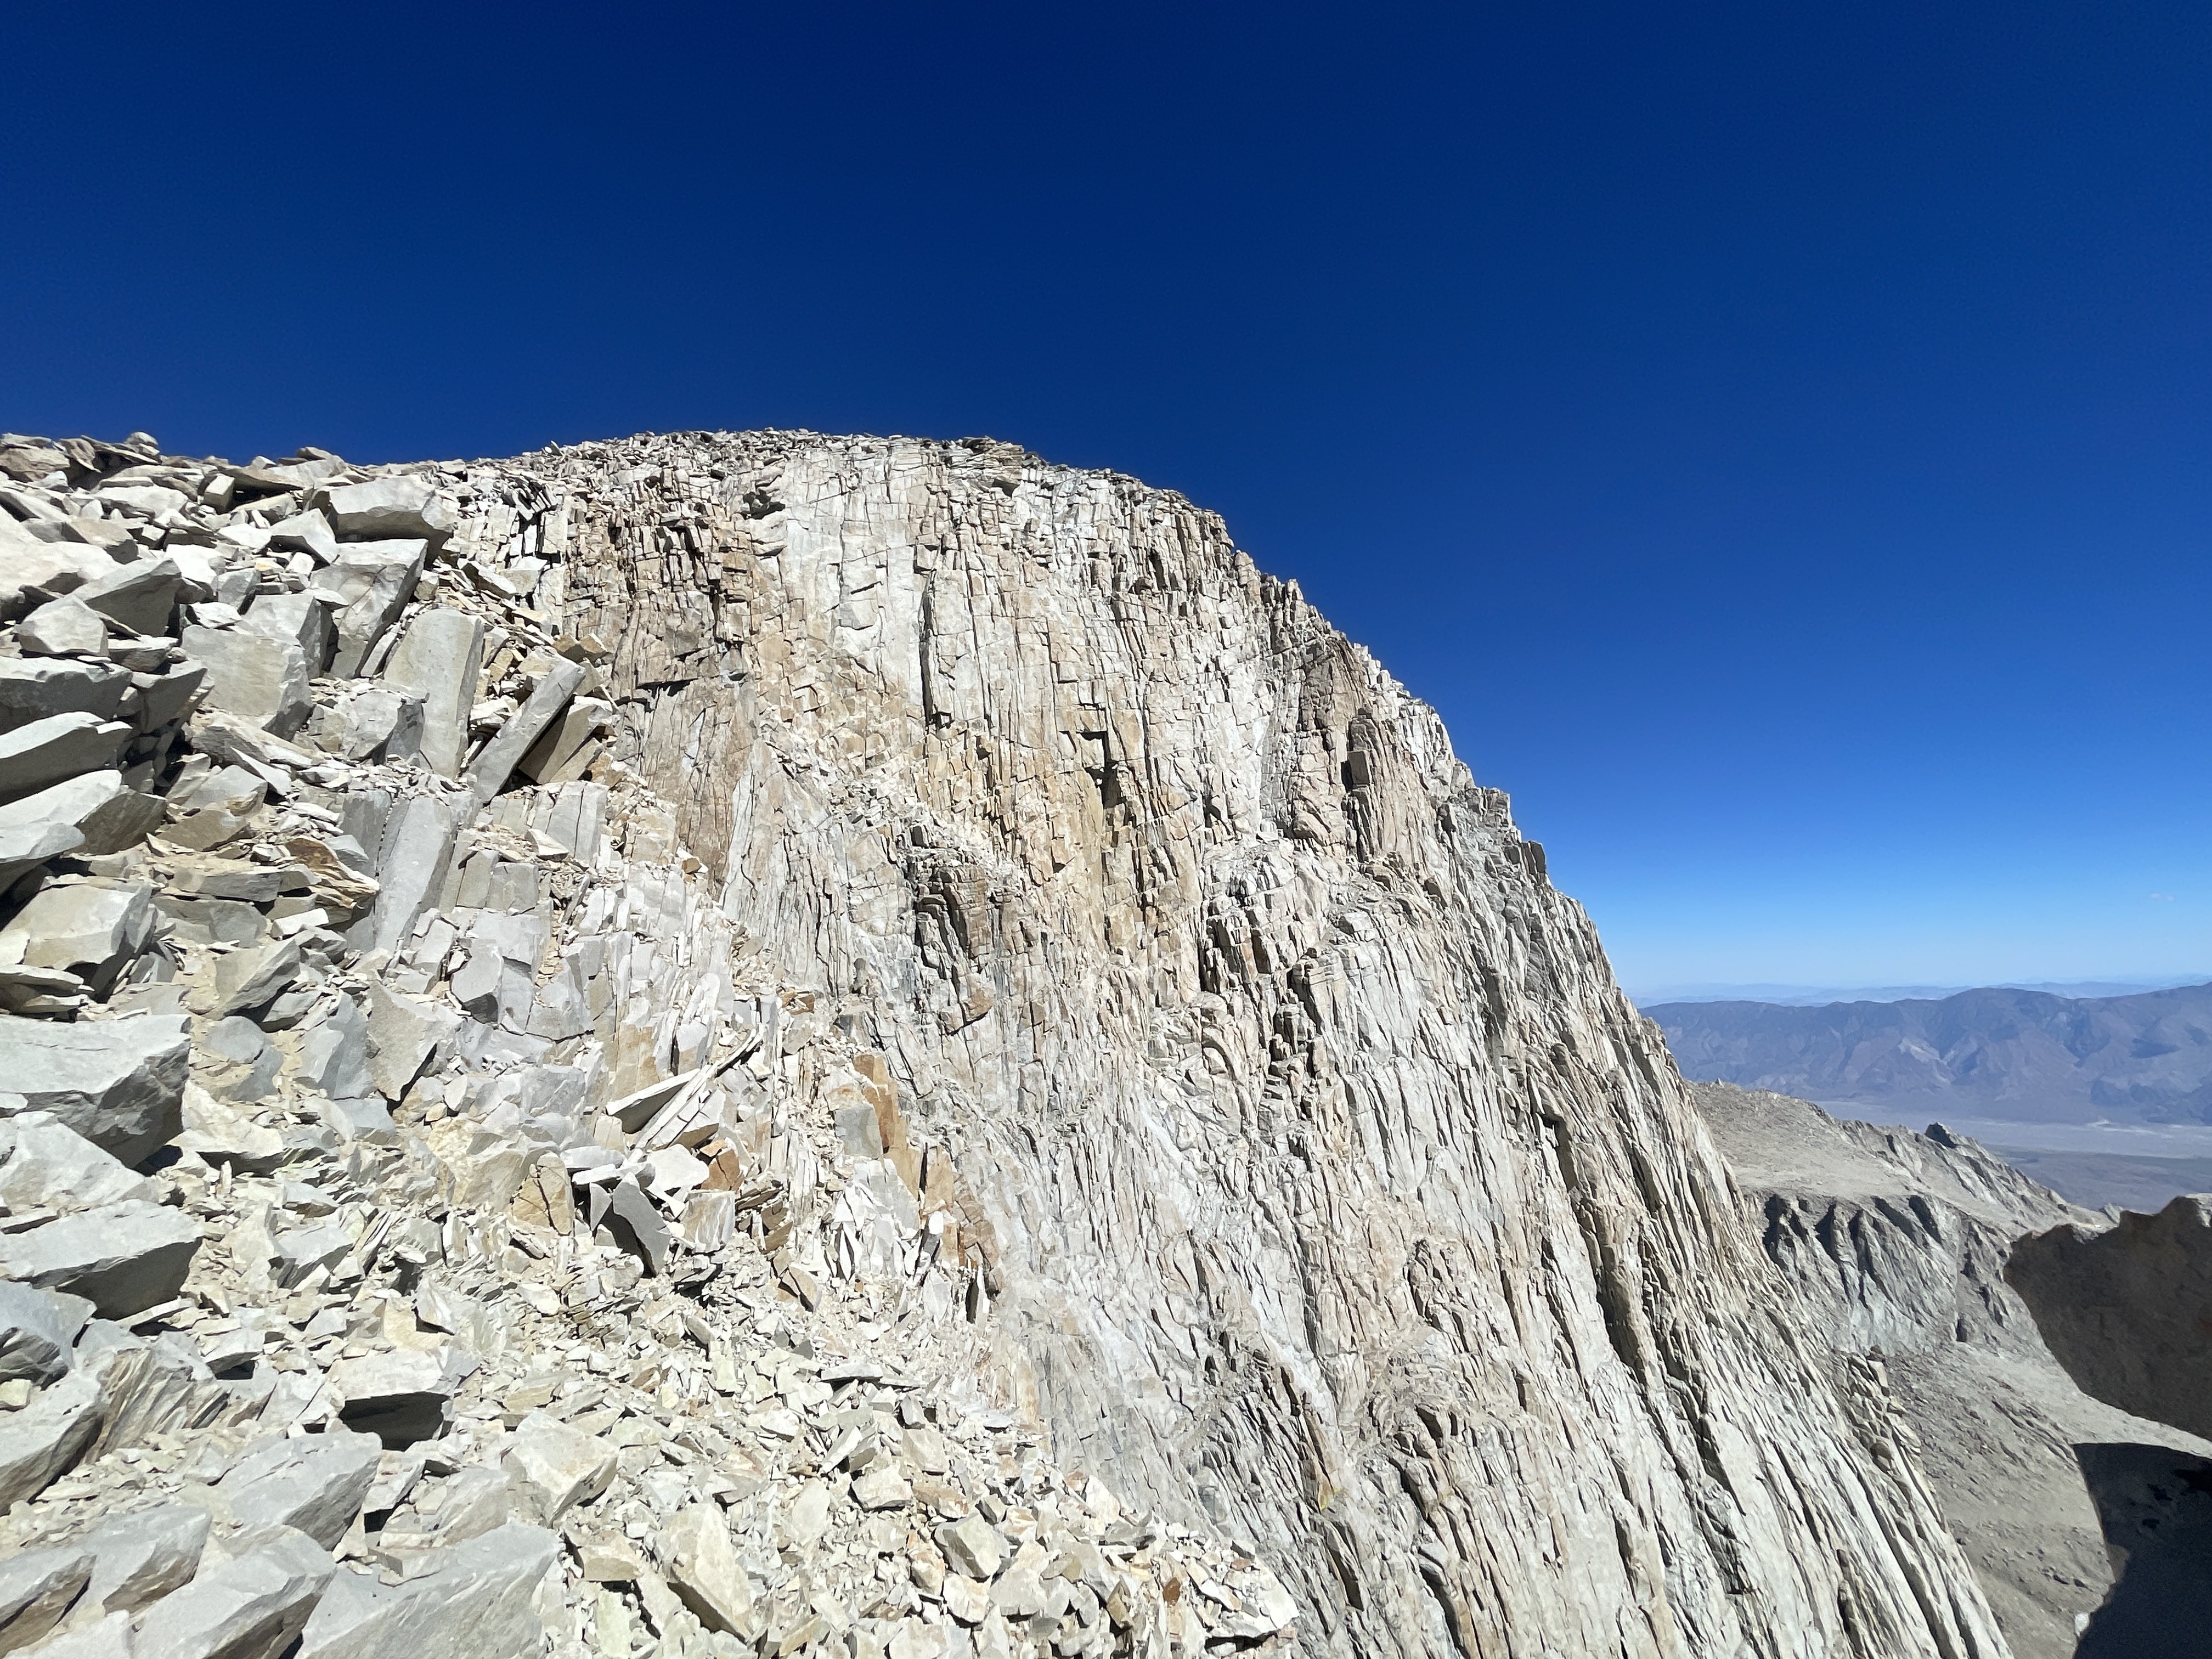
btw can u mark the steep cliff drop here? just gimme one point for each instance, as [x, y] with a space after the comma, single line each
[912, 1054]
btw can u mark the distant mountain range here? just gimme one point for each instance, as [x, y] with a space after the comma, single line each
[1997, 1052]
[1806, 996]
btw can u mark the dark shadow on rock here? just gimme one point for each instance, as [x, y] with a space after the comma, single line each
[2154, 1506]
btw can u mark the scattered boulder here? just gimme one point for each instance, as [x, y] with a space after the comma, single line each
[107, 814]
[46, 1166]
[24, 848]
[91, 928]
[523, 728]
[38, 1329]
[43, 1442]
[141, 597]
[555, 1468]
[369, 582]
[400, 1397]
[703, 1569]
[63, 627]
[40, 688]
[438, 661]
[403, 1031]
[256, 676]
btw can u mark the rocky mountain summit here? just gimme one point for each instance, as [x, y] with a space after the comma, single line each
[759, 1043]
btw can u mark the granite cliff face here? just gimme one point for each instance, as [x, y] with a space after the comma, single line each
[1339, 1195]
[1093, 993]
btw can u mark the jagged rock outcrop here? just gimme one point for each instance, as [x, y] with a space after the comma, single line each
[1907, 1247]
[898, 1049]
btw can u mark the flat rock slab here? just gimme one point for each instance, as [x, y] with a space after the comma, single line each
[123, 1258]
[45, 751]
[120, 1083]
[315, 1485]
[473, 1600]
[252, 1607]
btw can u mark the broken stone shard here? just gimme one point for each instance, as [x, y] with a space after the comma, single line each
[36, 1589]
[38, 1328]
[403, 1031]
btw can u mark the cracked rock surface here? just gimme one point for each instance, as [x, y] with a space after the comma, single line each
[756, 1043]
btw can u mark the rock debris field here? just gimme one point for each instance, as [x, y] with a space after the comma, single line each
[759, 1043]
[423, 1235]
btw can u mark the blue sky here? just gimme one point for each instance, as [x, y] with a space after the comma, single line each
[1775, 436]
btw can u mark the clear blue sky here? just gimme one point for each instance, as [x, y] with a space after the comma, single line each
[1776, 436]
